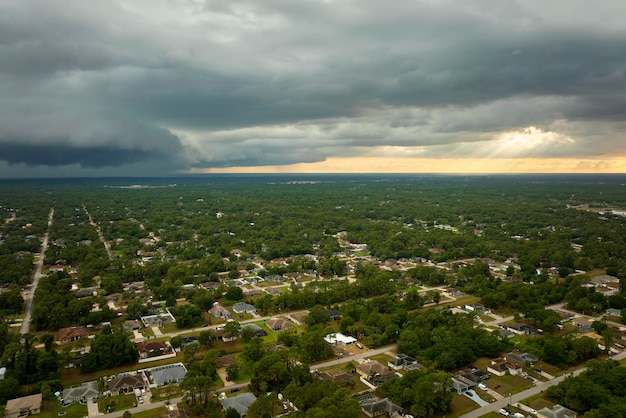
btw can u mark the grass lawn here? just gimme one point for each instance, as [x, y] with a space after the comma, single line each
[117, 403]
[76, 410]
[461, 404]
[482, 363]
[464, 300]
[169, 327]
[164, 393]
[152, 413]
[243, 376]
[383, 358]
[548, 368]
[508, 384]
[537, 402]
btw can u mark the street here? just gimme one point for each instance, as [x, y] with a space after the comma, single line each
[36, 276]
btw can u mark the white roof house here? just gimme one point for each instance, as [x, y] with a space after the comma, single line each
[339, 338]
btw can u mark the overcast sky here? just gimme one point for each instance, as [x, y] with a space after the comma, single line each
[155, 87]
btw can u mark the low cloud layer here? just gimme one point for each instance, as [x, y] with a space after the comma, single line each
[140, 86]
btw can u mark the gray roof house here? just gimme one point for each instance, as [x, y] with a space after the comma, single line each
[80, 393]
[170, 373]
[242, 307]
[373, 406]
[257, 331]
[241, 403]
[557, 411]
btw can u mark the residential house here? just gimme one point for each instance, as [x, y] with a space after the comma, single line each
[272, 291]
[459, 386]
[225, 361]
[403, 361]
[86, 292]
[82, 393]
[501, 366]
[565, 316]
[333, 315]
[477, 308]
[158, 320]
[475, 375]
[373, 406]
[522, 329]
[241, 307]
[257, 331]
[222, 336]
[218, 311]
[557, 411]
[174, 412]
[210, 285]
[583, 324]
[279, 324]
[337, 377]
[240, 403]
[338, 338]
[375, 372]
[167, 374]
[56, 268]
[72, 334]
[252, 293]
[21, 407]
[126, 383]
[186, 341]
[604, 280]
[521, 360]
[153, 349]
[131, 325]
[613, 312]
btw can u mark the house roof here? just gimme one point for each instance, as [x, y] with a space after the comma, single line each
[281, 323]
[169, 373]
[146, 347]
[85, 391]
[27, 402]
[373, 367]
[72, 332]
[339, 338]
[558, 411]
[225, 361]
[374, 405]
[240, 402]
[243, 307]
[133, 381]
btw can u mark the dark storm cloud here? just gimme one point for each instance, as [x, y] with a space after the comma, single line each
[238, 83]
[61, 154]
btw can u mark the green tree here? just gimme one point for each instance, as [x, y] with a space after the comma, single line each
[231, 413]
[234, 293]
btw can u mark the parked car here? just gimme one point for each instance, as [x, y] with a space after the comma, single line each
[532, 411]
[482, 386]
[504, 412]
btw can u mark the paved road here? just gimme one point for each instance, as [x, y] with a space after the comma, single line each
[107, 247]
[493, 407]
[36, 276]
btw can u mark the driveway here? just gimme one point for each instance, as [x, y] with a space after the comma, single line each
[92, 408]
[474, 396]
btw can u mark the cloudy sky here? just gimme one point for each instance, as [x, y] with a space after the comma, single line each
[158, 87]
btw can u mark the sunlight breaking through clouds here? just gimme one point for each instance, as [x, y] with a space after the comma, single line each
[528, 142]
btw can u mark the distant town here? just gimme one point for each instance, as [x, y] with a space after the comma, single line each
[415, 296]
